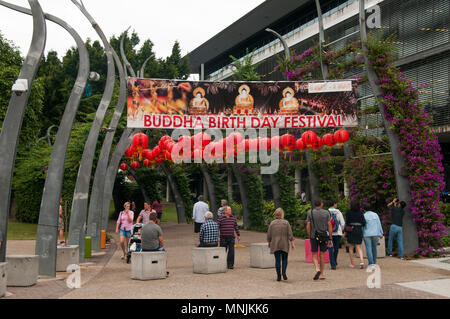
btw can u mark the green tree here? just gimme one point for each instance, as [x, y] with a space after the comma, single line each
[245, 70]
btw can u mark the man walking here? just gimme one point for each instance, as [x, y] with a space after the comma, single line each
[339, 221]
[396, 229]
[319, 229]
[227, 227]
[209, 232]
[199, 211]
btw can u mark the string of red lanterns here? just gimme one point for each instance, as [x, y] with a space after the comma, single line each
[203, 149]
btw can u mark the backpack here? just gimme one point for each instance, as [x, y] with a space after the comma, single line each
[334, 222]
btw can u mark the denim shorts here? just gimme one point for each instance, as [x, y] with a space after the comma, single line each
[126, 233]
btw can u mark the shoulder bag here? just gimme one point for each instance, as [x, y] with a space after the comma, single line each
[321, 237]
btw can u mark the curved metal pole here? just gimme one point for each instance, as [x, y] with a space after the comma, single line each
[211, 190]
[283, 42]
[141, 74]
[124, 57]
[47, 231]
[111, 172]
[81, 193]
[96, 202]
[411, 240]
[321, 40]
[9, 136]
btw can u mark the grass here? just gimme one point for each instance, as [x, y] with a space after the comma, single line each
[21, 231]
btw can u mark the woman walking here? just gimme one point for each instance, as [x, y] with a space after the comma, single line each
[124, 224]
[279, 236]
[354, 224]
[373, 232]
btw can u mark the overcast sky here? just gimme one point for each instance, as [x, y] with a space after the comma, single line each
[162, 21]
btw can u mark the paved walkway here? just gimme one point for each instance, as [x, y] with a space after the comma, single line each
[109, 276]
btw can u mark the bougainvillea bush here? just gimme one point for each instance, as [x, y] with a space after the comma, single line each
[419, 145]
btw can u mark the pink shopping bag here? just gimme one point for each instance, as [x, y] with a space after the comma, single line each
[308, 253]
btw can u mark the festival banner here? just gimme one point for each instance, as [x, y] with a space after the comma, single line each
[157, 103]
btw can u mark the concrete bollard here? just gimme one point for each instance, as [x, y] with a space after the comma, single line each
[103, 239]
[67, 255]
[22, 270]
[147, 265]
[87, 247]
[3, 279]
[209, 260]
[260, 256]
[381, 249]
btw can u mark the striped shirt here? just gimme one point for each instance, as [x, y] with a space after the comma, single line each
[228, 226]
[209, 232]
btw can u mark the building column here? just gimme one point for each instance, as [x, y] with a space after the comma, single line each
[167, 191]
[230, 188]
[298, 181]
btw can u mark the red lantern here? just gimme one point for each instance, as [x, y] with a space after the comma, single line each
[167, 155]
[135, 165]
[130, 151]
[300, 145]
[317, 144]
[163, 140]
[341, 136]
[147, 154]
[146, 163]
[140, 142]
[123, 166]
[328, 140]
[309, 137]
[287, 142]
[156, 151]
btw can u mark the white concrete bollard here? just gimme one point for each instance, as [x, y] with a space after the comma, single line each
[22, 270]
[381, 249]
[3, 279]
[67, 255]
[260, 256]
[209, 260]
[146, 265]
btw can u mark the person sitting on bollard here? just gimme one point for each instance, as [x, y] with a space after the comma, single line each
[209, 232]
[152, 239]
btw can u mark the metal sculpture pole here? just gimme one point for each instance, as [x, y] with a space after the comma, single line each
[81, 193]
[211, 189]
[321, 40]
[411, 240]
[111, 173]
[141, 74]
[47, 231]
[9, 136]
[124, 57]
[96, 201]
[287, 54]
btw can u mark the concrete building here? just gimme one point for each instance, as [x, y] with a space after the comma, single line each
[422, 42]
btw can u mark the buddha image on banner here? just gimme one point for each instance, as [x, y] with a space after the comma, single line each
[158, 103]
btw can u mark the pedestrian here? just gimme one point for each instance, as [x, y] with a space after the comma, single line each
[61, 223]
[199, 211]
[152, 236]
[124, 224]
[279, 236]
[318, 227]
[157, 207]
[303, 197]
[339, 224]
[144, 215]
[133, 206]
[209, 232]
[396, 209]
[372, 232]
[223, 204]
[227, 227]
[354, 224]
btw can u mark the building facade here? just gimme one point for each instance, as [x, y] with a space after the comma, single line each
[422, 40]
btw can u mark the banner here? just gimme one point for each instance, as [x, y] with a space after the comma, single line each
[156, 103]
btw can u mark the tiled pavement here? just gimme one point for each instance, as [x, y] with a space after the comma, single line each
[106, 276]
